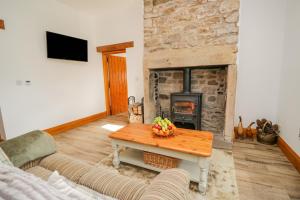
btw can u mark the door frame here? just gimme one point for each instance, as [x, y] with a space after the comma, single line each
[107, 50]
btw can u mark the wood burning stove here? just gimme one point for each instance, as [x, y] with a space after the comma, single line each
[186, 106]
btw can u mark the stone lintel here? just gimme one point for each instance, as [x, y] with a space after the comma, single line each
[188, 57]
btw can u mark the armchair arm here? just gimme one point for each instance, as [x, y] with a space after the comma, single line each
[171, 184]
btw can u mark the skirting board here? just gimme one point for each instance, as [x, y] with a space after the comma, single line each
[293, 157]
[2, 26]
[74, 124]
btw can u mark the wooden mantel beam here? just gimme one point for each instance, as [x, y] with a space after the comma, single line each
[115, 47]
[2, 24]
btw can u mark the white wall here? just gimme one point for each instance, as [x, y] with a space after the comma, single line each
[260, 57]
[61, 91]
[121, 21]
[289, 103]
[268, 65]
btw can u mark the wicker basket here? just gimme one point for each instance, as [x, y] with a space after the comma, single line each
[160, 161]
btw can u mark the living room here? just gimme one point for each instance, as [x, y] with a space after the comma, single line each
[234, 57]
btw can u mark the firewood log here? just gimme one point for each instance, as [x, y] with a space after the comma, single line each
[263, 121]
[275, 127]
[259, 124]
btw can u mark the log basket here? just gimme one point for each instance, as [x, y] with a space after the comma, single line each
[266, 138]
[160, 161]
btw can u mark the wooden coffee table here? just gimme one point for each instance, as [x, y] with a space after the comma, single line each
[192, 147]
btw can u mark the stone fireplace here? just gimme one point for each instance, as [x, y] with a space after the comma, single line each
[208, 84]
[201, 35]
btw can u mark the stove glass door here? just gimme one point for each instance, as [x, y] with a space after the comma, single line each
[184, 107]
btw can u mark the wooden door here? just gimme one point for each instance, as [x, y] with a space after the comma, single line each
[117, 84]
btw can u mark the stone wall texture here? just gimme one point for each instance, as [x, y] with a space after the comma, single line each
[178, 24]
[200, 32]
[210, 82]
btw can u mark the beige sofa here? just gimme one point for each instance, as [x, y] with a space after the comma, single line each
[172, 184]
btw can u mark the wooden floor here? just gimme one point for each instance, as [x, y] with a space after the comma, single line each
[84, 142]
[262, 172]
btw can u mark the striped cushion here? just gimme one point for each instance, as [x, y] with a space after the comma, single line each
[171, 184]
[31, 164]
[40, 172]
[66, 166]
[113, 184]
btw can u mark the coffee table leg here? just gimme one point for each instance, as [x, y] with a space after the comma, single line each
[116, 160]
[204, 167]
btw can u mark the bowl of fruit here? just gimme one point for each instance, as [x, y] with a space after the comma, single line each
[163, 127]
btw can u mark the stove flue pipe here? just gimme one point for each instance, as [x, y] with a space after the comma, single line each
[187, 80]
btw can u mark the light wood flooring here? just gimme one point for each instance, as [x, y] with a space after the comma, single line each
[83, 143]
[262, 171]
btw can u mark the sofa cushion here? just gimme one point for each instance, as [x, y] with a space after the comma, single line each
[40, 172]
[74, 190]
[66, 166]
[4, 159]
[31, 164]
[171, 184]
[28, 147]
[93, 193]
[17, 184]
[113, 184]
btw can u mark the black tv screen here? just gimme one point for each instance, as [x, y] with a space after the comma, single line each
[66, 47]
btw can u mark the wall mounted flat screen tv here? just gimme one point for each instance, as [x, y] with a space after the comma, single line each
[66, 47]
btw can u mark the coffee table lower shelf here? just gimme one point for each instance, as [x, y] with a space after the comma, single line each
[196, 165]
[135, 157]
